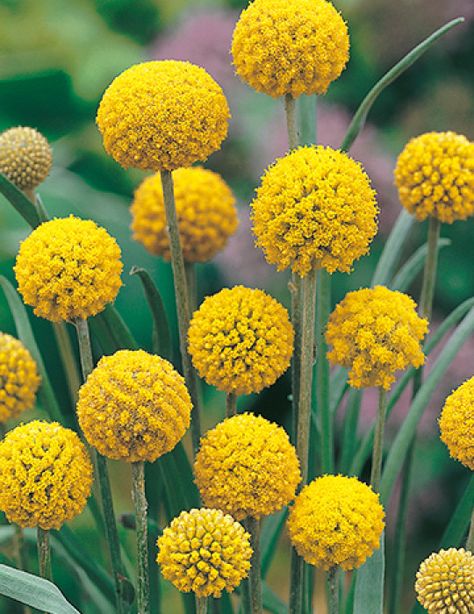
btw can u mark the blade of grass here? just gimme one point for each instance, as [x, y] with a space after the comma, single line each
[393, 249]
[19, 201]
[408, 272]
[459, 523]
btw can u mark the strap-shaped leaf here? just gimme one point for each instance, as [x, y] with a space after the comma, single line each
[271, 530]
[368, 598]
[459, 523]
[20, 202]
[408, 272]
[393, 249]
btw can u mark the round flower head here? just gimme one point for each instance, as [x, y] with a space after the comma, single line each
[134, 406]
[19, 378]
[241, 340]
[25, 157]
[204, 551]
[290, 46]
[46, 475]
[314, 209]
[162, 115]
[206, 211]
[375, 332]
[246, 466]
[457, 423]
[445, 582]
[435, 177]
[68, 268]
[336, 520]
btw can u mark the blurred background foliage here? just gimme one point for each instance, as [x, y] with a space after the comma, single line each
[56, 59]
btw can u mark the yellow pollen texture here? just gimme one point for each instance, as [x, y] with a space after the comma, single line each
[457, 423]
[25, 157]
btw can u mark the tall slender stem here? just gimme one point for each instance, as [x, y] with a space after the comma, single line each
[291, 121]
[201, 605]
[378, 441]
[333, 593]
[191, 280]
[140, 503]
[253, 526]
[44, 553]
[66, 351]
[470, 537]
[230, 404]
[183, 305]
[429, 274]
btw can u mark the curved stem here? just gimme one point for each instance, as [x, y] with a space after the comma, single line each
[44, 554]
[378, 441]
[140, 503]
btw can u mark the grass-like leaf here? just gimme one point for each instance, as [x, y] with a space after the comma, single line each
[459, 523]
[368, 598]
[393, 249]
[408, 272]
[19, 201]
[271, 530]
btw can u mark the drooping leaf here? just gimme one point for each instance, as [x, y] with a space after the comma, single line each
[368, 598]
[408, 272]
[20, 202]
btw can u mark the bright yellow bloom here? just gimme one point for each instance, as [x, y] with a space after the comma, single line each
[290, 46]
[314, 209]
[19, 378]
[241, 340]
[162, 115]
[435, 177]
[25, 157]
[457, 423]
[206, 211]
[46, 475]
[68, 268]
[445, 582]
[246, 466]
[375, 332]
[134, 406]
[336, 520]
[204, 551]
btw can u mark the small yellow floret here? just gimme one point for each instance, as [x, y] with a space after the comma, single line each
[445, 582]
[246, 466]
[45, 473]
[290, 46]
[204, 551]
[336, 520]
[68, 268]
[25, 157]
[206, 212]
[314, 209]
[134, 406]
[457, 423]
[241, 340]
[19, 378]
[162, 115]
[435, 176]
[375, 332]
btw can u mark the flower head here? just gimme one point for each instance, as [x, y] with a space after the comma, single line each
[204, 551]
[435, 177]
[161, 115]
[134, 406]
[19, 378]
[241, 340]
[68, 268]
[46, 475]
[336, 520]
[290, 46]
[314, 209]
[206, 212]
[375, 332]
[445, 582]
[25, 157]
[246, 466]
[457, 423]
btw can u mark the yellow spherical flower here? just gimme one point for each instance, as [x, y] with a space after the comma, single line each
[246, 466]
[336, 520]
[162, 115]
[375, 332]
[25, 157]
[68, 268]
[204, 551]
[206, 211]
[314, 209]
[46, 475]
[435, 177]
[241, 340]
[457, 423]
[445, 582]
[19, 378]
[134, 406]
[290, 46]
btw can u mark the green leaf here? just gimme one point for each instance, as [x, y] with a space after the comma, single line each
[392, 251]
[33, 591]
[271, 529]
[25, 334]
[272, 602]
[161, 330]
[368, 598]
[459, 523]
[407, 431]
[406, 275]
[180, 491]
[351, 423]
[20, 202]
[360, 116]
[116, 332]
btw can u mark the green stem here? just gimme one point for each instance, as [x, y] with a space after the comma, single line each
[183, 305]
[377, 452]
[44, 554]
[333, 592]
[253, 526]
[307, 111]
[429, 274]
[291, 122]
[140, 504]
[66, 351]
[470, 537]
[191, 280]
[201, 605]
[230, 404]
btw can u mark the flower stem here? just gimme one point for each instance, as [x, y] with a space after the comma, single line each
[182, 302]
[201, 605]
[66, 351]
[191, 281]
[44, 554]
[333, 594]
[291, 121]
[378, 441]
[429, 274]
[470, 537]
[253, 526]
[230, 404]
[140, 503]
